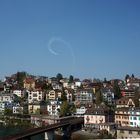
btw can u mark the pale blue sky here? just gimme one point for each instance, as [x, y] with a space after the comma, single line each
[85, 38]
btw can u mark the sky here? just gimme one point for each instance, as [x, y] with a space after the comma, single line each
[83, 38]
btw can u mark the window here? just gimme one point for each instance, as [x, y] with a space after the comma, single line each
[131, 123]
[134, 118]
[138, 132]
[130, 132]
[130, 118]
[121, 131]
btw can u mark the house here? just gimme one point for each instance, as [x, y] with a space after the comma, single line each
[51, 95]
[54, 95]
[97, 115]
[56, 86]
[53, 108]
[128, 132]
[128, 92]
[84, 97]
[6, 97]
[17, 109]
[132, 81]
[69, 95]
[134, 117]
[122, 116]
[34, 108]
[125, 102]
[18, 93]
[80, 111]
[77, 82]
[110, 127]
[2, 107]
[29, 83]
[108, 95]
[35, 96]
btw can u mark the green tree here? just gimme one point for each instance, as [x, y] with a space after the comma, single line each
[64, 109]
[59, 76]
[20, 77]
[99, 98]
[71, 79]
[126, 77]
[8, 112]
[133, 76]
[63, 97]
[116, 89]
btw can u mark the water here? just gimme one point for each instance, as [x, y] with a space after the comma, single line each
[6, 131]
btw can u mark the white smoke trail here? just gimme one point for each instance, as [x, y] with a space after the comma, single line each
[67, 45]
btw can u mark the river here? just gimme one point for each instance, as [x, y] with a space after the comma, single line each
[6, 131]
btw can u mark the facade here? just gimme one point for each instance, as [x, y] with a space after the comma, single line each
[53, 108]
[6, 97]
[122, 116]
[35, 96]
[84, 96]
[80, 111]
[17, 109]
[109, 127]
[128, 133]
[54, 95]
[2, 107]
[29, 84]
[34, 108]
[127, 92]
[108, 95]
[134, 117]
[18, 93]
[97, 115]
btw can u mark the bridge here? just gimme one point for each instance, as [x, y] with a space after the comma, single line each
[67, 128]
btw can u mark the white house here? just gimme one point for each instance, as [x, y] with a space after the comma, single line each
[77, 83]
[35, 96]
[134, 117]
[80, 111]
[18, 93]
[17, 109]
[2, 107]
[53, 107]
[6, 97]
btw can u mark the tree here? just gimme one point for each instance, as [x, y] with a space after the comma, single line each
[116, 89]
[133, 76]
[20, 77]
[8, 112]
[105, 80]
[59, 76]
[71, 79]
[99, 98]
[63, 97]
[64, 109]
[126, 77]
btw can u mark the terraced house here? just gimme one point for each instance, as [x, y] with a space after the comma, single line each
[134, 117]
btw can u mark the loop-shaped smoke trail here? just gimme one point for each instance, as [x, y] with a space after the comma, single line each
[67, 45]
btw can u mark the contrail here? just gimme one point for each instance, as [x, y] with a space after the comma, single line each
[67, 45]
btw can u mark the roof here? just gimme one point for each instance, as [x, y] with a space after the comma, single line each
[123, 101]
[98, 110]
[29, 80]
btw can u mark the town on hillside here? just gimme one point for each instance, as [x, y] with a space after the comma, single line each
[111, 107]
